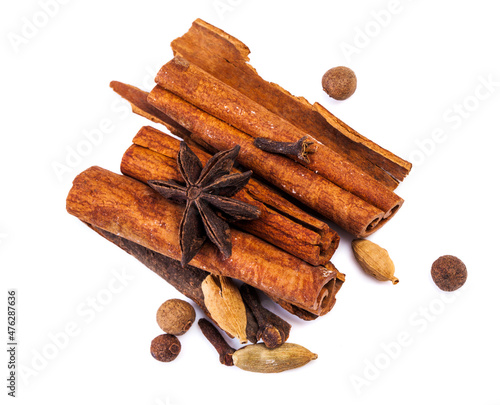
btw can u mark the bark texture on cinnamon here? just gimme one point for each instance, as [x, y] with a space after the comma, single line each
[138, 100]
[226, 58]
[218, 101]
[338, 205]
[133, 210]
[206, 92]
[281, 223]
[350, 212]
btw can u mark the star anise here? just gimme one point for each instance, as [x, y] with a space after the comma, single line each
[207, 188]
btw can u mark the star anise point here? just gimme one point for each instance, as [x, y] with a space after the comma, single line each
[207, 187]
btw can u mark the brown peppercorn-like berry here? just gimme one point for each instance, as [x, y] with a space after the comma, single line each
[449, 273]
[339, 82]
[175, 316]
[165, 347]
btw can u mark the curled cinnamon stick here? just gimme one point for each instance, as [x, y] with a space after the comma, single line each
[201, 89]
[138, 100]
[227, 59]
[350, 212]
[289, 224]
[154, 156]
[354, 215]
[134, 211]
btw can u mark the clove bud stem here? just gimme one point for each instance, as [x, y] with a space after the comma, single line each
[215, 338]
[273, 330]
[300, 148]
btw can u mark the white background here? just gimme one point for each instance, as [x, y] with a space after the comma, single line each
[422, 67]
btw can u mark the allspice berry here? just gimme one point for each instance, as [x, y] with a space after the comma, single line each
[165, 347]
[449, 273]
[339, 82]
[175, 316]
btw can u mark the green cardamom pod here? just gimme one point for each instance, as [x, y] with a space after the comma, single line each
[223, 300]
[374, 260]
[259, 359]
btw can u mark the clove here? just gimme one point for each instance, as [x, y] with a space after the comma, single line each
[215, 338]
[300, 149]
[273, 330]
[252, 325]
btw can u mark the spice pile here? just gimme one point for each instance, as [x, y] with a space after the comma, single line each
[220, 205]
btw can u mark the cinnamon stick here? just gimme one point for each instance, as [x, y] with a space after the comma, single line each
[226, 58]
[140, 106]
[226, 103]
[327, 240]
[187, 280]
[134, 211]
[154, 156]
[345, 209]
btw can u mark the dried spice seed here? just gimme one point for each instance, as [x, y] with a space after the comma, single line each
[449, 273]
[175, 316]
[207, 187]
[339, 82]
[165, 347]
